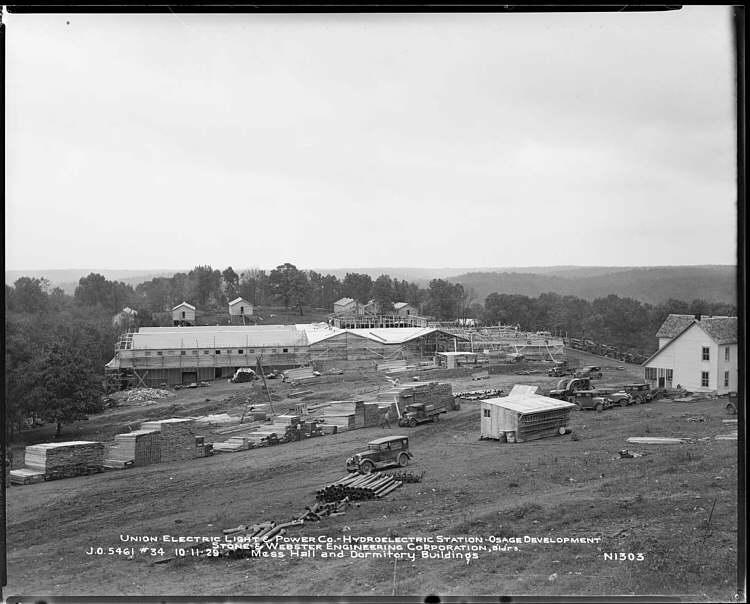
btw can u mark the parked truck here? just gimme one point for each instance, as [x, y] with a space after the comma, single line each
[419, 413]
[567, 388]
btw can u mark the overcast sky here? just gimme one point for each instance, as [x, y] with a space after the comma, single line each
[153, 141]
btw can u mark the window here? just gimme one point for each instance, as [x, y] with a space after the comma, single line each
[183, 314]
[669, 375]
[704, 379]
[272, 350]
[726, 378]
[193, 352]
[706, 353]
[240, 351]
[726, 354]
[148, 353]
[159, 353]
[205, 352]
[251, 350]
[396, 445]
[229, 352]
[218, 352]
[650, 373]
[486, 412]
[183, 353]
[285, 350]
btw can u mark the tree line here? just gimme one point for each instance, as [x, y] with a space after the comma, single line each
[56, 345]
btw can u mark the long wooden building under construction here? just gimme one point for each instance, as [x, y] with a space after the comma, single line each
[182, 355]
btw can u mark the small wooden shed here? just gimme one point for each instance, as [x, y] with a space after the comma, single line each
[524, 416]
[183, 314]
[239, 307]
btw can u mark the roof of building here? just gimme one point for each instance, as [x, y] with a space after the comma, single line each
[190, 306]
[238, 300]
[344, 301]
[282, 335]
[528, 403]
[317, 332]
[674, 325]
[398, 305]
[395, 335]
[722, 330]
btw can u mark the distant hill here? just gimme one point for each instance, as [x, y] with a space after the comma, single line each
[652, 285]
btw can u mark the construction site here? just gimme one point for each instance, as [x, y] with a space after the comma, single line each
[225, 447]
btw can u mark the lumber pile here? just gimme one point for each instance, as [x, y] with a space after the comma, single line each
[141, 447]
[26, 476]
[373, 414]
[177, 438]
[236, 443]
[263, 438]
[66, 459]
[357, 487]
[348, 415]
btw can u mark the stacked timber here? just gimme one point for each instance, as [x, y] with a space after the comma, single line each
[357, 487]
[373, 414]
[141, 447]
[66, 459]
[26, 476]
[236, 443]
[263, 438]
[476, 395]
[177, 438]
[350, 414]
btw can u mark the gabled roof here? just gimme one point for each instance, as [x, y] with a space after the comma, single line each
[238, 300]
[527, 403]
[397, 335]
[722, 330]
[398, 305]
[344, 301]
[185, 304]
[674, 325]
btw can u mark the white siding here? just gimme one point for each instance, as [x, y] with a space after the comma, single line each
[684, 357]
[730, 366]
[663, 342]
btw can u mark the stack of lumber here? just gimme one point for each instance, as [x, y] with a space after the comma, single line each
[26, 476]
[141, 447]
[66, 459]
[300, 373]
[236, 443]
[475, 395]
[219, 419]
[374, 414]
[357, 487]
[177, 437]
[263, 438]
[342, 423]
[350, 414]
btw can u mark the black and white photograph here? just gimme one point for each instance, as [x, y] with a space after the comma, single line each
[426, 305]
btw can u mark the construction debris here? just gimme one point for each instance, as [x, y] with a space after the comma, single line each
[356, 487]
[142, 394]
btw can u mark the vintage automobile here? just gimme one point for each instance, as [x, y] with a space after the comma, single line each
[590, 371]
[640, 393]
[593, 399]
[419, 413]
[381, 453]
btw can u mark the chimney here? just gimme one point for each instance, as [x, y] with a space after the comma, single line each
[697, 316]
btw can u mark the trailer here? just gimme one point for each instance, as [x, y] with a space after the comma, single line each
[523, 417]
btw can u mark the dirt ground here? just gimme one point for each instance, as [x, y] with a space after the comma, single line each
[657, 505]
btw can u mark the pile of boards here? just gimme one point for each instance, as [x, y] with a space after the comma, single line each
[66, 459]
[157, 441]
[355, 487]
[345, 415]
[476, 395]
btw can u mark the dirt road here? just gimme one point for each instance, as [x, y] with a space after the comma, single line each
[657, 505]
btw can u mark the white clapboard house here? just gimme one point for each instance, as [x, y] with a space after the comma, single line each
[697, 353]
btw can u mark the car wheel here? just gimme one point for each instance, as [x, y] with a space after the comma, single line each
[403, 460]
[599, 407]
[366, 467]
[412, 423]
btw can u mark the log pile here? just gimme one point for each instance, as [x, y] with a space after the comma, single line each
[478, 395]
[66, 459]
[357, 487]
